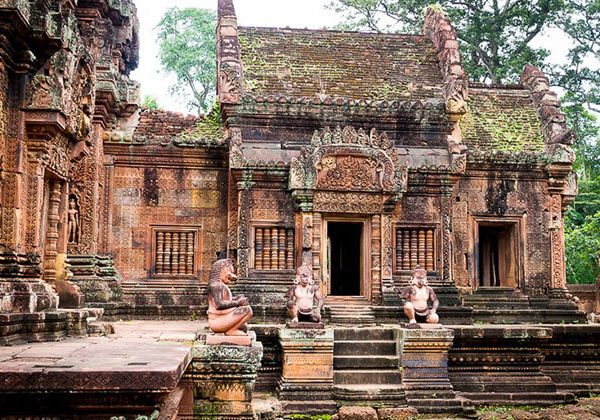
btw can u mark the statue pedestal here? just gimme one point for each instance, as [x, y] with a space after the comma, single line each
[423, 357]
[306, 382]
[223, 378]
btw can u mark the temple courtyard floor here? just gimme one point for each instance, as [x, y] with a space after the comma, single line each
[153, 355]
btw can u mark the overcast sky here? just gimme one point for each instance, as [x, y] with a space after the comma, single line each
[280, 13]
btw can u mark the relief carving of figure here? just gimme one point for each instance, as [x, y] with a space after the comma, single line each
[73, 221]
[226, 314]
[417, 296]
[302, 296]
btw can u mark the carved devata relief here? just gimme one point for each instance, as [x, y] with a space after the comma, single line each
[350, 161]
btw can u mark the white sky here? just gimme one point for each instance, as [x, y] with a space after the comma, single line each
[293, 13]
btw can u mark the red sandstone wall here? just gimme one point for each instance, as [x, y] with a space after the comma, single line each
[147, 196]
[158, 125]
[507, 196]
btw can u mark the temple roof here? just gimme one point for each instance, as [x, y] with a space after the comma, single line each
[502, 118]
[353, 65]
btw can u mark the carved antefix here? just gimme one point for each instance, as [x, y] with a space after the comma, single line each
[350, 161]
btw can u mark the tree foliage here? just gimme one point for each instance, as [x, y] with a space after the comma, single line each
[187, 48]
[580, 76]
[495, 35]
[150, 102]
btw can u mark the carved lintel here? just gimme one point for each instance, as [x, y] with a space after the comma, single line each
[348, 161]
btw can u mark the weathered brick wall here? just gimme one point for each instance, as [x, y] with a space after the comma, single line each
[150, 196]
[499, 197]
[157, 125]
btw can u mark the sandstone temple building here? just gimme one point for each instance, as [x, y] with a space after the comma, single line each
[361, 154]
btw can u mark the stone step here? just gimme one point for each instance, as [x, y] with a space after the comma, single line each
[367, 376]
[518, 398]
[363, 348]
[533, 316]
[373, 395]
[364, 334]
[435, 405]
[365, 362]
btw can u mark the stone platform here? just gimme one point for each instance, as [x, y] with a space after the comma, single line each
[133, 372]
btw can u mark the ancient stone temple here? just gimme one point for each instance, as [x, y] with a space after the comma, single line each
[358, 156]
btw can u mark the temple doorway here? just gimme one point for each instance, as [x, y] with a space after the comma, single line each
[497, 255]
[345, 253]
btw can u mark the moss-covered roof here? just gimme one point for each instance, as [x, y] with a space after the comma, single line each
[503, 119]
[313, 63]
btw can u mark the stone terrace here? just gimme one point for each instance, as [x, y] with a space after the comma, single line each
[136, 369]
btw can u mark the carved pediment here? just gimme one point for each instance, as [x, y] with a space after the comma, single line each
[349, 160]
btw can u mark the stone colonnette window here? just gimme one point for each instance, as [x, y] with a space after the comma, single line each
[415, 246]
[174, 251]
[273, 248]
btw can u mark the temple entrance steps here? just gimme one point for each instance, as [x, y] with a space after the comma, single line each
[498, 298]
[365, 367]
[351, 310]
[505, 305]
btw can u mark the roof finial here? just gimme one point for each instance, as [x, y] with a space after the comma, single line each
[226, 8]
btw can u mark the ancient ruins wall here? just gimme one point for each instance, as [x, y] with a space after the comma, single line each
[503, 198]
[151, 198]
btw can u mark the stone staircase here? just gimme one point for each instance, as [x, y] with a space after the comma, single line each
[349, 310]
[365, 366]
[505, 305]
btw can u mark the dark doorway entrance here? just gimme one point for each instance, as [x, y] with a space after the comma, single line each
[497, 255]
[345, 245]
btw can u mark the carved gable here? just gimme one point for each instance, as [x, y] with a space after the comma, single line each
[349, 160]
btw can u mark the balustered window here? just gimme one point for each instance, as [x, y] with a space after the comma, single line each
[415, 246]
[174, 251]
[273, 248]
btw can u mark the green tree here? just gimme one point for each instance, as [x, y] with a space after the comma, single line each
[495, 35]
[150, 102]
[187, 46]
[580, 76]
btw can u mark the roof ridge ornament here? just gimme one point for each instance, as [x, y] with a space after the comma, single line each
[439, 29]
[229, 63]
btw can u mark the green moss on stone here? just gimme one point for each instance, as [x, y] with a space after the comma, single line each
[496, 123]
[207, 131]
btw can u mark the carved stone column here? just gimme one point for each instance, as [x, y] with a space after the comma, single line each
[558, 280]
[306, 383]
[447, 234]
[243, 242]
[389, 295]
[423, 355]
[223, 378]
[50, 246]
[376, 239]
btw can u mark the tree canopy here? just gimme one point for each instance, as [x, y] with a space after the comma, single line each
[187, 47]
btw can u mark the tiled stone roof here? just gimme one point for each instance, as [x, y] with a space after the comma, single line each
[353, 65]
[503, 119]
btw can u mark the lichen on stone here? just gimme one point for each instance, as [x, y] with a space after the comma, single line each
[208, 131]
[502, 121]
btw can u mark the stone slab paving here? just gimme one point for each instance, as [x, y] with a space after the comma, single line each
[140, 355]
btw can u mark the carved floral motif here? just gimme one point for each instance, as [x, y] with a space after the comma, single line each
[349, 160]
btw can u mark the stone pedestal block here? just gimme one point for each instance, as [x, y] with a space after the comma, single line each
[423, 358]
[223, 378]
[306, 382]
[96, 277]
